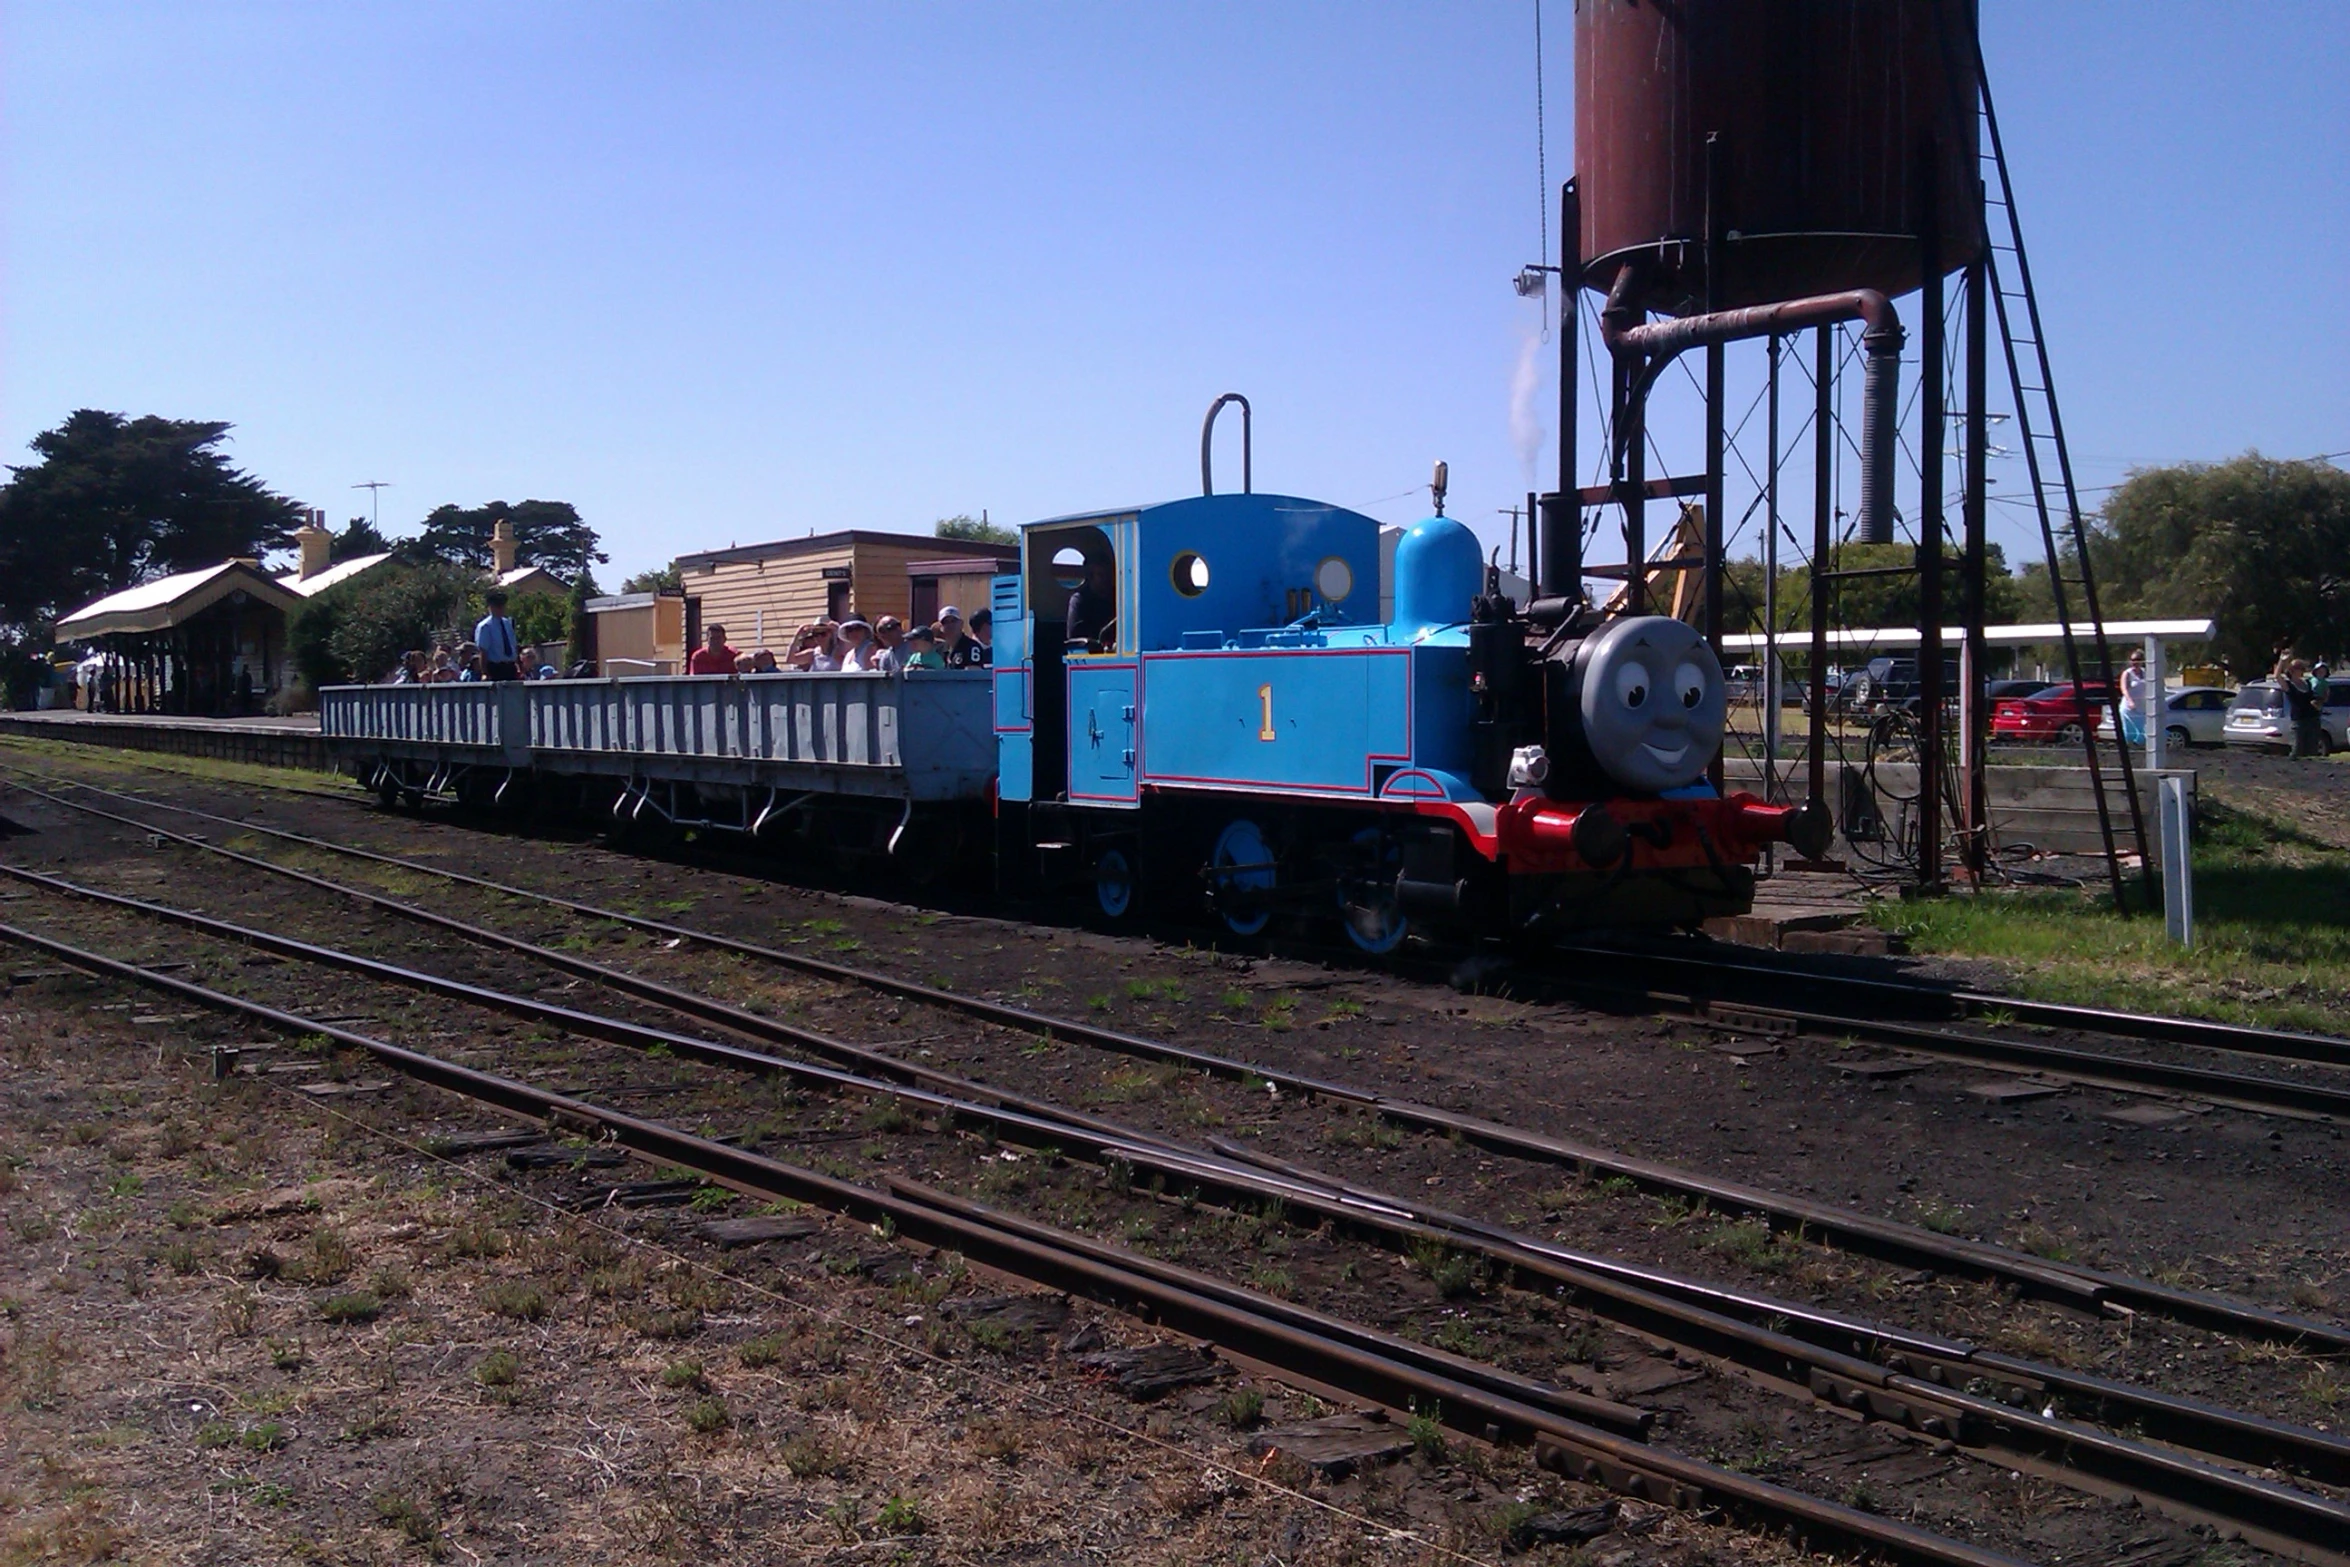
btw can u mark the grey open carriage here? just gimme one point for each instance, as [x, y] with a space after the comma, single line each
[751, 754]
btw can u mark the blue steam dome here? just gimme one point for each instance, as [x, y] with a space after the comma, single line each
[1438, 572]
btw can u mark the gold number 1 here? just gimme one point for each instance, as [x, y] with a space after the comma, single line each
[1265, 701]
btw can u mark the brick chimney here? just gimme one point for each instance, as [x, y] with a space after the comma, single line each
[315, 543]
[502, 547]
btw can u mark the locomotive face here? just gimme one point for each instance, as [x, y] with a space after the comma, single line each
[1652, 702]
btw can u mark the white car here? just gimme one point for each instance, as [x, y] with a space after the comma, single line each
[2197, 715]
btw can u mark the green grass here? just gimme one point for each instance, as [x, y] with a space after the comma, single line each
[2272, 933]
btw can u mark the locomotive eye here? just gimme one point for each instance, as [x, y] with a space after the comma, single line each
[1632, 684]
[1689, 680]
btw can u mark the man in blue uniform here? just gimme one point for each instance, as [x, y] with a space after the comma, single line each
[494, 635]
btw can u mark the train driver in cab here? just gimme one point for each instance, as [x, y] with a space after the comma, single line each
[1093, 607]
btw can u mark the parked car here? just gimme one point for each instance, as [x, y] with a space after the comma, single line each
[1892, 682]
[2260, 718]
[2196, 716]
[2051, 714]
[1998, 691]
[1744, 684]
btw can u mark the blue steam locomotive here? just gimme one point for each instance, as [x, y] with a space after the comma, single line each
[1200, 701]
[1195, 706]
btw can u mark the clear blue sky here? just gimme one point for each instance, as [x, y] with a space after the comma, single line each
[718, 273]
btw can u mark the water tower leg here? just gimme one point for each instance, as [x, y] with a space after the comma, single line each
[1974, 796]
[1931, 298]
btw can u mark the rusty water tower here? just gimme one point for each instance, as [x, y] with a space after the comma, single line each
[1821, 107]
[1784, 156]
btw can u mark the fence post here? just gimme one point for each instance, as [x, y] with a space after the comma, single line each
[2178, 870]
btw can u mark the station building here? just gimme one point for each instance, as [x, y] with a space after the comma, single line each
[763, 593]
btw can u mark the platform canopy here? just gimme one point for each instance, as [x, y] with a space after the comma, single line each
[1907, 636]
[170, 601]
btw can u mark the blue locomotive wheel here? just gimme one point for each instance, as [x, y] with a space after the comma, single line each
[1113, 883]
[1239, 868]
[1367, 902]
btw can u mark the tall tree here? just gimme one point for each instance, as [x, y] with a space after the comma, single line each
[114, 501]
[546, 533]
[664, 579]
[2260, 544]
[967, 526]
[360, 538]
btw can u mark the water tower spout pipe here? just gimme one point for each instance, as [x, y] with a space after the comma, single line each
[1656, 344]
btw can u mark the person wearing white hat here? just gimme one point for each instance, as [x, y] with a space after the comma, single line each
[856, 640]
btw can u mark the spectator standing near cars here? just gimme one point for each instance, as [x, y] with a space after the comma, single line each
[501, 653]
[2305, 700]
[2132, 711]
[713, 657]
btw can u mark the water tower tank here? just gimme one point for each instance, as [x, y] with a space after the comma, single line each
[1821, 106]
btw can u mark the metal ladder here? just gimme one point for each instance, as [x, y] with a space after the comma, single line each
[2053, 491]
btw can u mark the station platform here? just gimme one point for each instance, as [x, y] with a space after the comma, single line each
[268, 742]
[1806, 911]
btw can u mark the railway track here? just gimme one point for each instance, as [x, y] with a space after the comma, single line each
[1928, 1385]
[2081, 1288]
[1723, 979]
[1251, 1324]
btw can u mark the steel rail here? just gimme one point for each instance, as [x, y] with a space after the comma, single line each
[2237, 1038]
[1797, 1346]
[2081, 1288]
[2204, 1033]
[1047, 1258]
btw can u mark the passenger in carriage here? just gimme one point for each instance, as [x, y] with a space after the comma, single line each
[982, 651]
[713, 657]
[816, 648]
[856, 638]
[413, 670]
[922, 650]
[763, 662]
[888, 656]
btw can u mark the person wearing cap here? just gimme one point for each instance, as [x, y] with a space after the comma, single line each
[714, 657]
[922, 650]
[856, 640]
[501, 651]
[953, 639]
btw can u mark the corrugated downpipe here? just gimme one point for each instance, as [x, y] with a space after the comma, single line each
[1880, 413]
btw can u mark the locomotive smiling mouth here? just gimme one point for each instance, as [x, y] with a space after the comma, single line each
[1671, 758]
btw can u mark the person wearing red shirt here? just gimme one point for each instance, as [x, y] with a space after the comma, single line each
[714, 657]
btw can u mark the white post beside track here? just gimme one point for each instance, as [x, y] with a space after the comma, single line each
[2178, 871]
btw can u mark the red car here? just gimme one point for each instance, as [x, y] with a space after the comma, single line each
[2049, 714]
